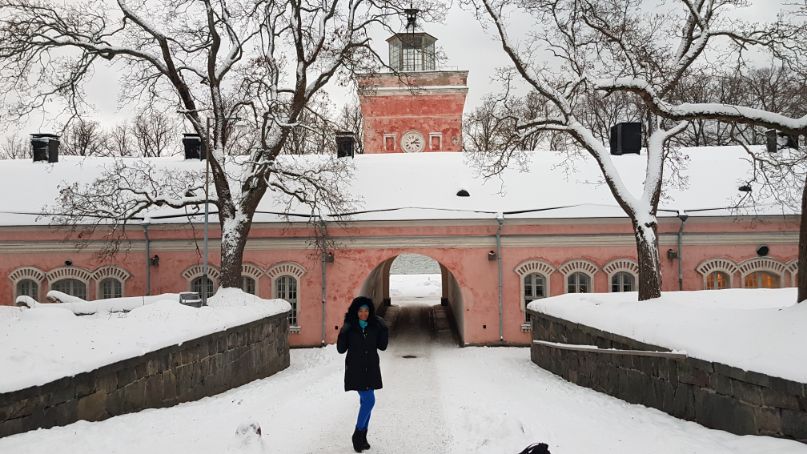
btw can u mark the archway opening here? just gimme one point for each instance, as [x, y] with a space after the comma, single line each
[418, 296]
[415, 280]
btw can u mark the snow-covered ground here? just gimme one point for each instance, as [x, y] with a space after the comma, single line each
[754, 329]
[415, 286]
[446, 400]
[49, 342]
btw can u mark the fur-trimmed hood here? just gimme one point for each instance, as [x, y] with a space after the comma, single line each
[352, 314]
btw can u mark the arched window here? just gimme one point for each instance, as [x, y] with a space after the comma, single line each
[28, 287]
[198, 286]
[534, 274]
[578, 282]
[717, 280]
[248, 284]
[110, 288]
[622, 281]
[72, 287]
[761, 279]
[285, 287]
[534, 288]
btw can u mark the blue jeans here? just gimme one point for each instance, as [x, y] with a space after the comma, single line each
[367, 401]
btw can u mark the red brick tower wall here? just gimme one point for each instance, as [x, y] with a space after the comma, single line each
[430, 103]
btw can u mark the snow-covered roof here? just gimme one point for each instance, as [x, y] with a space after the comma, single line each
[424, 186]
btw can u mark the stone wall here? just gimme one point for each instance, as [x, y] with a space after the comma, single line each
[198, 368]
[712, 394]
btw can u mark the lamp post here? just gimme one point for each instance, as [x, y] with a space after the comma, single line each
[207, 213]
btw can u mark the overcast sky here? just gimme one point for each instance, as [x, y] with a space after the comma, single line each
[460, 36]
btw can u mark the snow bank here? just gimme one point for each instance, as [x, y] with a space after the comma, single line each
[49, 342]
[81, 307]
[761, 330]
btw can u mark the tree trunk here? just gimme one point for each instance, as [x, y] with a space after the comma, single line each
[649, 265]
[233, 242]
[803, 246]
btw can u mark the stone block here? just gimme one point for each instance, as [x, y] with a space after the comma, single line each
[85, 384]
[134, 395]
[723, 412]
[92, 407]
[692, 375]
[125, 376]
[768, 421]
[60, 391]
[774, 398]
[106, 382]
[169, 387]
[720, 384]
[60, 414]
[747, 392]
[154, 392]
[683, 403]
[794, 424]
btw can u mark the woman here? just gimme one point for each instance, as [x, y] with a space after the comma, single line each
[362, 335]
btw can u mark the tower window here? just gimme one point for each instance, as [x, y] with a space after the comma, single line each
[389, 142]
[435, 141]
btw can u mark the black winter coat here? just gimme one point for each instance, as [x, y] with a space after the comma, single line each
[362, 370]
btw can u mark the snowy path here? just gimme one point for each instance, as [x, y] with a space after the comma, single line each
[447, 400]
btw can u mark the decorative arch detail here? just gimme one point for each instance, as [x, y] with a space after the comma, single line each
[286, 268]
[792, 269]
[199, 270]
[111, 271]
[27, 272]
[615, 266]
[253, 271]
[69, 272]
[534, 266]
[709, 266]
[578, 265]
[762, 264]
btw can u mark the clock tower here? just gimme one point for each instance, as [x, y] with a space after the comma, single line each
[416, 107]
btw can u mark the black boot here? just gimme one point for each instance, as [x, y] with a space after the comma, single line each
[358, 446]
[364, 443]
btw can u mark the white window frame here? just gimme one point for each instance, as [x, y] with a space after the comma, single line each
[439, 136]
[100, 290]
[111, 271]
[723, 265]
[766, 264]
[29, 273]
[394, 138]
[524, 269]
[296, 271]
[583, 266]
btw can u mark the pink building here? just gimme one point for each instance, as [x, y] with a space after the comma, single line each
[548, 230]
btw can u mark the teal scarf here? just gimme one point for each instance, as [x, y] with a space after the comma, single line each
[363, 324]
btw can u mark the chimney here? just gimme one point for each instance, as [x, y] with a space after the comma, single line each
[45, 147]
[345, 144]
[194, 148]
[775, 140]
[626, 138]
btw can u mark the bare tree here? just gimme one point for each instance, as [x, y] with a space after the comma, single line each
[351, 120]
[15, 147]
[615, 46]
[83, 138]
[119, 140]
[256, 63]
[154, 133]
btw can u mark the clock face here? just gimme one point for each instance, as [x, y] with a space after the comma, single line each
[412, 142]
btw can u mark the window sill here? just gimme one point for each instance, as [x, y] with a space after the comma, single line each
[294, 330]
[526, 327]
